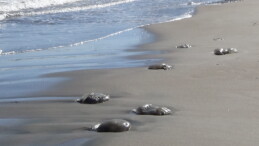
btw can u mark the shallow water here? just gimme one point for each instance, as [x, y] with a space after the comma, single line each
[11, 122]
[30, 99]
[79, 141]
[45, 36]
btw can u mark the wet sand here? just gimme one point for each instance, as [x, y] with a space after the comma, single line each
[214, 98]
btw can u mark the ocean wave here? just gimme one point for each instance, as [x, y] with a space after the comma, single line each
[17, 5]
[193, 3]
[7, 14]
[187, 15]
[70, 45]
[209, 2]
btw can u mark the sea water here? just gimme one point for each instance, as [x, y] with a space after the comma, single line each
[45, 36]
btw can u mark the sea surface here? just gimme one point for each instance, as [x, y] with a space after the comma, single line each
[46, 36]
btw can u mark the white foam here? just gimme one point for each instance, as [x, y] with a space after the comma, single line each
[13, 12]
[8, 53]
[3, 16]
[16, 5]
[13, 7]
[185, 16]
[193, 3]
[75, 9]
[104, 37]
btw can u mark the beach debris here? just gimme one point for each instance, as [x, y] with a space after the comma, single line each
[114, 125]
[93, 98]
[160, 66]
[222, 51]
[184, 46]
[149, 109]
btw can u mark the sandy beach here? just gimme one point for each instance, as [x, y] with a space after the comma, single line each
[214, 98]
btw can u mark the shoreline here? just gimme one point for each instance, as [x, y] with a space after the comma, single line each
[23, 81]
[214, 98]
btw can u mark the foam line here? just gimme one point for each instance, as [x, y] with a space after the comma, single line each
[17, 5]
[60, 10]
[187, 15]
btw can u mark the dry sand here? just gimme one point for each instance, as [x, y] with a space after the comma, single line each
[214, 98]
